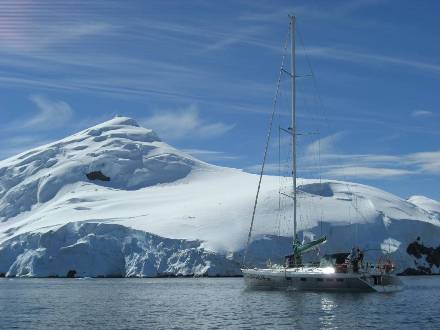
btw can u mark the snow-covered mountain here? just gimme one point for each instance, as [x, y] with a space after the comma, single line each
[115, 200]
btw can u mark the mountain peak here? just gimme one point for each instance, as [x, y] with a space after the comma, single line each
[118, 153]
[121, 121]
[121, 127]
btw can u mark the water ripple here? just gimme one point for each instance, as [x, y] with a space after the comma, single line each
[208, 304]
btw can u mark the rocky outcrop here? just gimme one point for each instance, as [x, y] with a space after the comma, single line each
[427, 259]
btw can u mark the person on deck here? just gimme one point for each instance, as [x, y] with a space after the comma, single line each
[360, 256]
[354, 260]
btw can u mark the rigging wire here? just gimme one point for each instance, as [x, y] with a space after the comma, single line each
[326, 120]
[279, 181]
[269, 133]
[279, 168]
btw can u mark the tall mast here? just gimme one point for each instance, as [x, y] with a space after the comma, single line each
[293, 124]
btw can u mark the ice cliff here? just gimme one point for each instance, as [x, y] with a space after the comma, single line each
[108, 250]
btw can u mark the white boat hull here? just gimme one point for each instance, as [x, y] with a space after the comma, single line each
[316, 279]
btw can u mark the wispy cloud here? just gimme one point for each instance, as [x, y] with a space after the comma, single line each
[25, 25]
[421, 113]
[366, 167]
[334, 163]
[325, 145]
[185, 123]
[50, 113]
[269, 168]
[210, 155]
[427, 162]
[245, 35]
[366, 172]
[369, 166]
[205, 36]
[371, 58]
[16, 144]
[342, 12]
[71, 51]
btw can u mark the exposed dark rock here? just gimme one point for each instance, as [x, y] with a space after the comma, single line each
[434, 257]
[412, 272]
[415, 249]
[418, 250]
[171, 275]
[2, 274]
[424, 270]
[71, 274]
[115, 276]
[97, 175]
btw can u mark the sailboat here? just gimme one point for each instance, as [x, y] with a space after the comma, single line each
[334, 272]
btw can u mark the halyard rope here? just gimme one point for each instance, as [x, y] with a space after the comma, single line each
[269, 133]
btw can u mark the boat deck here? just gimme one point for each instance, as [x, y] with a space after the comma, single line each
[320, 279]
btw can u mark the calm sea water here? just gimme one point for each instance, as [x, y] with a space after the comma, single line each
[214, 303]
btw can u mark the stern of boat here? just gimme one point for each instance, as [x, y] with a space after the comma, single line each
[385, 283]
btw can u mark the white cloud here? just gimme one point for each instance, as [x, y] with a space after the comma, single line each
[269, 168]
[366, 172]
[14, 145]
[84, 29]
[50, 113]
[240, 36]
[339, 12]
[336, 164]
[367, 166]
[26, 28]
[325, 145]
[421, 113]
[427, 162]
[185, 123]
[369, 58]
[381, 166]
[210, 155]
[34, 37]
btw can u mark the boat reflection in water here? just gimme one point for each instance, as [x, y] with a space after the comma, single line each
[328, 306]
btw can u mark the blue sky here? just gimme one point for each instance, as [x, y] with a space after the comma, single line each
[203, 75]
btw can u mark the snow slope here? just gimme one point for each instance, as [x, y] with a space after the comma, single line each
[426, 203]
[86, 202]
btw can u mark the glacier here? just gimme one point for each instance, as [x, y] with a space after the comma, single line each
[116, 200]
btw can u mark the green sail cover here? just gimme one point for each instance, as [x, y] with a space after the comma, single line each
[299, 248]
